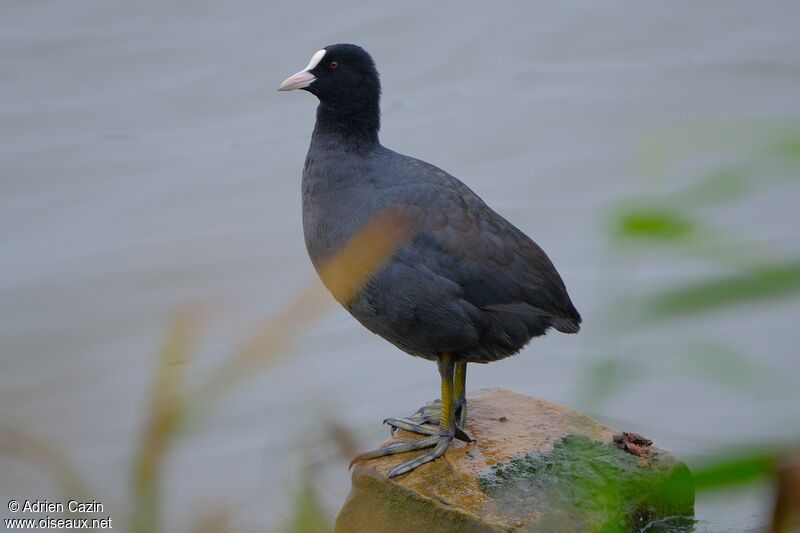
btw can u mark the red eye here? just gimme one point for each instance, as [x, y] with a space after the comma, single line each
[333, 65]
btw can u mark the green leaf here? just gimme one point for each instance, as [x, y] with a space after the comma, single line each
[736, 471]
[768, 282]
[654, 223]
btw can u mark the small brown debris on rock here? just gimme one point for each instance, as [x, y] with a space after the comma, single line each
[634, 444]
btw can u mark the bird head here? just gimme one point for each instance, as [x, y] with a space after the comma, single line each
[339, 73]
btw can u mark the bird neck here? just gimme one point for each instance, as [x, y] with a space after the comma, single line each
[352, 124]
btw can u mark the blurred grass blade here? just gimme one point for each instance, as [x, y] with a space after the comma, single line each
[736, 471]
[764, 283]
[309, 516]
[719, 186]
[165, 419]
[788, 147]
[170, 405]
[20, 445]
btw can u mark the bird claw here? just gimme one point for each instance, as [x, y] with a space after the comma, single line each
[395, 448]
[437, 451]
[437, 442]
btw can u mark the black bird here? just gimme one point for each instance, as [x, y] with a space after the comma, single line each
[466, 286]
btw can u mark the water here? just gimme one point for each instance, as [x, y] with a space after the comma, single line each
[147, 163]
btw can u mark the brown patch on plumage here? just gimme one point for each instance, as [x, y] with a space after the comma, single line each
[345, 273]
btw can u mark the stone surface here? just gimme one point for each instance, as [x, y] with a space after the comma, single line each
[535, 466]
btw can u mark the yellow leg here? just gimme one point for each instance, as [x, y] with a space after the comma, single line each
[446, 369]
[432, 412]
[460, 393]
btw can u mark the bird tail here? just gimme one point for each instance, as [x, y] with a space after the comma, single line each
[565, 324]
[570, 323]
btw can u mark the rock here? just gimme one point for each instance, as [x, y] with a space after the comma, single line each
[535, 466]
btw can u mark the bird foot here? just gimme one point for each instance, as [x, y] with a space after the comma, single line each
[431, 413]
[437, 442]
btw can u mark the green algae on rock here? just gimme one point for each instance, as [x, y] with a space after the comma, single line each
[587, 485]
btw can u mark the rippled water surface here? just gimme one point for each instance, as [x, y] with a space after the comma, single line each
[147, 162]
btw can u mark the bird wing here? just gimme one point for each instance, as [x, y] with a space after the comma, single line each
[498, 268]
